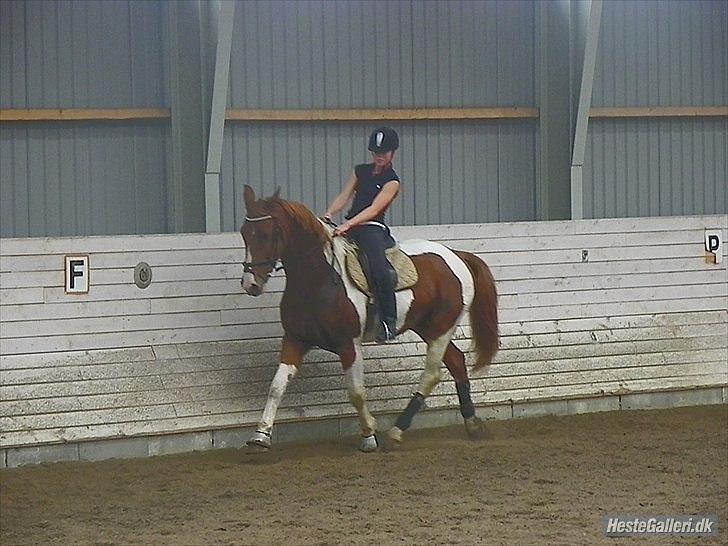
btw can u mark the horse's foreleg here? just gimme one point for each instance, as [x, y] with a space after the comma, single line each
[261, 437]
[353, 364]
[428, 381]
[292, 353]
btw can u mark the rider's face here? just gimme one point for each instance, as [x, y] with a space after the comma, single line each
[382, 159]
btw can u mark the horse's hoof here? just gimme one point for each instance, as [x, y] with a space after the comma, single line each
[259, 442]
[394, 435]
[368, 444]
[475, 428]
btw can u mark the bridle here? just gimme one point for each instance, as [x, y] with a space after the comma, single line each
[248, 266]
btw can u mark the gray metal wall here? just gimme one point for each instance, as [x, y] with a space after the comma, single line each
[409, 54]
[451, 172]
[659, 53]
[79, 178]
[74, 178]
[655, 167]
[382, 54]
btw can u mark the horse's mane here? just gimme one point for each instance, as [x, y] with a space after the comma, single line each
[303, 218]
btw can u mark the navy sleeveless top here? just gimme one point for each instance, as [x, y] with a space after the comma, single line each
[368, 187]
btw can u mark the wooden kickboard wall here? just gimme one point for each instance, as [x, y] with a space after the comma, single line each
[645, 312]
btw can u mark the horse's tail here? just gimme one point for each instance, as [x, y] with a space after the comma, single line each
[483, 310]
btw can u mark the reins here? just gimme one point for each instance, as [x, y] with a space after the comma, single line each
[329, 222]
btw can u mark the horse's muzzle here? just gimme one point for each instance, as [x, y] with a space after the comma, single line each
[252, 285]
[254, 290]
[251, 288]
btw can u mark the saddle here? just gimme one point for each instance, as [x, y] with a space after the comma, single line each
[400, 262]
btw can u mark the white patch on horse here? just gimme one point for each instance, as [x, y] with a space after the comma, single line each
[411, 247]
[416, 247]
[404, 302]
[248, 278]
[356, 296]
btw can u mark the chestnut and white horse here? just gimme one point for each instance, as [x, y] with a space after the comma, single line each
[321, 307]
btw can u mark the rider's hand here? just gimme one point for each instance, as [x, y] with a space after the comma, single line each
[342, 229]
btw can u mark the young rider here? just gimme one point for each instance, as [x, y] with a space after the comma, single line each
[373, 187]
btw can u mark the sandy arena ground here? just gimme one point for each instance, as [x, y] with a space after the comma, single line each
[535, 481]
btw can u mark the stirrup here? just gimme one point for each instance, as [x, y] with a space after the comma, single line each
[385, 335]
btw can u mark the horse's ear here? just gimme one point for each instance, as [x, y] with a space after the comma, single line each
[248, 196]
[277, 194]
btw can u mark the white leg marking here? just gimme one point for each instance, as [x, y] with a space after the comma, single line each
[357, 394]
[285, 373]
[433, 363]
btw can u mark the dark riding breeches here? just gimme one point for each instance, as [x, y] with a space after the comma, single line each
[373, 240]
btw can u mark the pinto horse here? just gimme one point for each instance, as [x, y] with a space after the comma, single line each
[321, 307]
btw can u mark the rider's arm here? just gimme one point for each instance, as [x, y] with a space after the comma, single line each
[343, 198]
[383, 199]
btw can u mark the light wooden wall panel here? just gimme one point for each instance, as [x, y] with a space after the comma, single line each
[646, 313]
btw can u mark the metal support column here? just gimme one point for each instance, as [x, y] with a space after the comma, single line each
[217, 116]
[582, 112]
[555, 110]
[185, 191]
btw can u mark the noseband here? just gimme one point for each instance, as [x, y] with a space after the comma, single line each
[248, 266]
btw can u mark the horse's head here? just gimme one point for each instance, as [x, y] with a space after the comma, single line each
[263, 242]
[276, 229]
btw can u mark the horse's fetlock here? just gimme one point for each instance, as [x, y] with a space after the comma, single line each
[395, 434]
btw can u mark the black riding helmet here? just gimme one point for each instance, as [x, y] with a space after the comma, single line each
[383, 139]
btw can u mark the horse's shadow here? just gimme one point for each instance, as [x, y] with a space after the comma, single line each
[344, 447]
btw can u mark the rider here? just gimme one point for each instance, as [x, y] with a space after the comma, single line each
[373, 186]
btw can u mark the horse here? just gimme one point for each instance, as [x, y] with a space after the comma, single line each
[321, 307]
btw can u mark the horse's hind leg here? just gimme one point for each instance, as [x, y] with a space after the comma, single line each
[455, 361]
[429, 379]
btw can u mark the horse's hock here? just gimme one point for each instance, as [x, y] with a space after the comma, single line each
[185, 363]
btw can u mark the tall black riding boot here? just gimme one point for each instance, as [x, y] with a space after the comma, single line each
[388, 307]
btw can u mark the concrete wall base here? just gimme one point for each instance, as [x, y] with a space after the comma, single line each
[346, 426]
